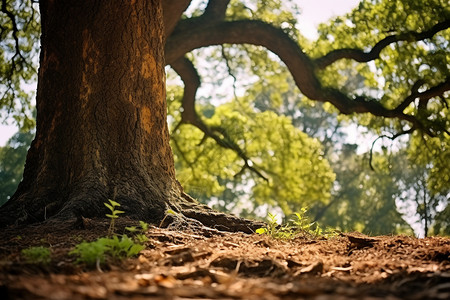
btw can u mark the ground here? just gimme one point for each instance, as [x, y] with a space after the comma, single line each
[187, 265]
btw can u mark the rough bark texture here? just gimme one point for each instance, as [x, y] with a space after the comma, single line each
[101, 123]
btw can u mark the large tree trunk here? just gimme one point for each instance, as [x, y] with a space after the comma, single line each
[101, 119]
[101, 122]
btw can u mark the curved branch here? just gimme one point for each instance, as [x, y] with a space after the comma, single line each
[361, 56]
[276, 40]
[213, 14]
[172, 11]
[191, 79]
[435, 91]
[392, 138]
[228, 143]
[424, 96]
[196, 36]
[412, 96]
[216, 9]
[15, 31]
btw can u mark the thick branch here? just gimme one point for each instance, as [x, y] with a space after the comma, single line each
[361, 56]
[214, 13]
[191, 80]
[172, 10]
[277, 41]
[188, 38]
[216, 9]
[412, 96]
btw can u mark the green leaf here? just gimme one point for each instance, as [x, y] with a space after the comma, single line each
[135, 249]
[143, 225]
[113, 203]
[131, 228]
[261, 231]
[109, 206]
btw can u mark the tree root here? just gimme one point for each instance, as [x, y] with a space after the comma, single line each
[199, 217]
[181, 213]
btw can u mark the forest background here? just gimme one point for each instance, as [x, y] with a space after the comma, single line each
[350, 172]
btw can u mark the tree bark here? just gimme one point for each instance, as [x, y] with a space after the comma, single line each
[101, 121]
[101, 114]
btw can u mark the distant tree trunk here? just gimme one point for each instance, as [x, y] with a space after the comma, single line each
[425, 210]
[101, 122]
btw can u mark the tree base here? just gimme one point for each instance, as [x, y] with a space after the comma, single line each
[183, 213]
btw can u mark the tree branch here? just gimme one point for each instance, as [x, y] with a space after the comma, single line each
[227, 63]
[172, 11]
[412, 96]
[216, 10]
[193, 36]
[392, 138]
[361, 56]
[15, 30]
[435, 91]
[191, 79]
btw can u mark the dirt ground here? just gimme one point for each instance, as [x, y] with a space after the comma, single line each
[186, 265]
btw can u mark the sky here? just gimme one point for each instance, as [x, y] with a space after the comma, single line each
[313, 13]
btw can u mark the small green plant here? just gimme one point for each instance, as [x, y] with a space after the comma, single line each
[168, 212]
[37, 255]
[113, 215]
[90, 253]
[123, 247]
[299, 225]
[139, 233]
[134, 229]
[301, 222]
[114, 247]
[274, 229]
[95, 253]
[272, 224]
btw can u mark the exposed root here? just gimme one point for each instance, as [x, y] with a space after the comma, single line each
[188, 214]
[198, 217]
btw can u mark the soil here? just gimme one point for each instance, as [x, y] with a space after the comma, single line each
[180, 264]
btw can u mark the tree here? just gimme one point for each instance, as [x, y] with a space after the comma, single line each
[421, 191]
[101, 108]
[19, 36]
[362, 199]
[12, 160]
[291, 170]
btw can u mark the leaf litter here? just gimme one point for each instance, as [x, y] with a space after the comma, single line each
[186, 265]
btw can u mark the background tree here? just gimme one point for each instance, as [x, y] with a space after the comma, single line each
[416, 182]
[12, 160]
[19, 47]
[320, 70]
